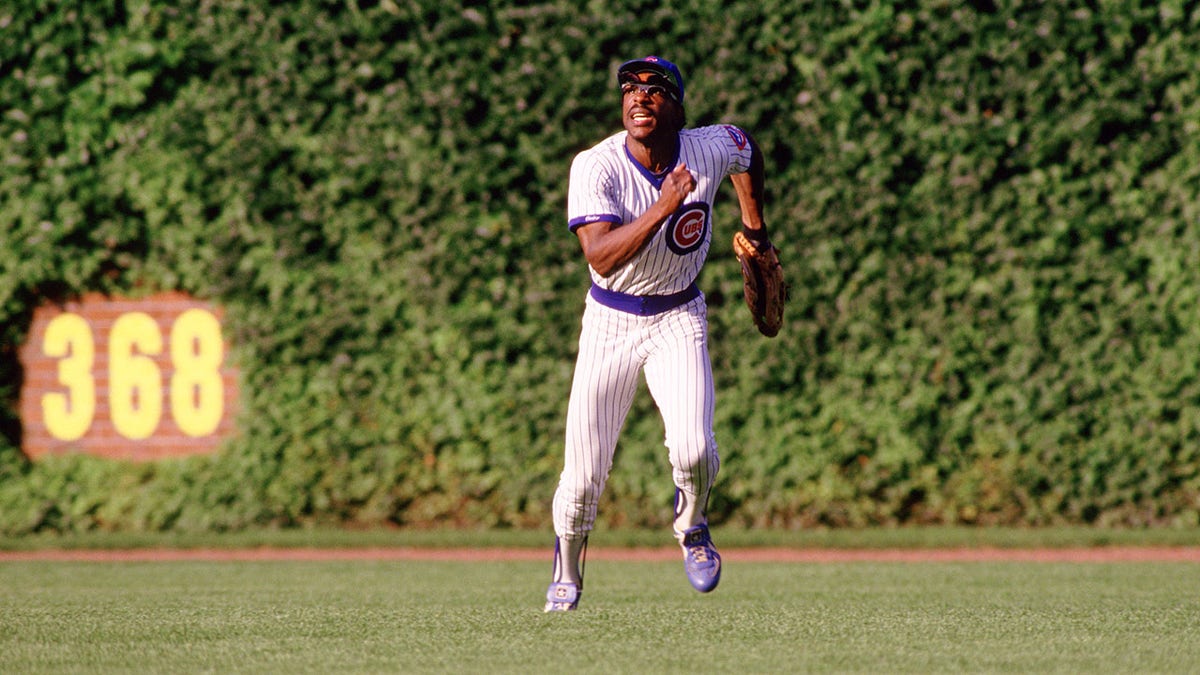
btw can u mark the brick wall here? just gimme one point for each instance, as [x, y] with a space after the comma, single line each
[120, 402]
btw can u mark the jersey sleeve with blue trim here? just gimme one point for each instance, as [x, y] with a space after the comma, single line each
[592, 195]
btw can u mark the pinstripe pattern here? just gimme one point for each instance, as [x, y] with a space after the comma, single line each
[670, 348]
[607, 185]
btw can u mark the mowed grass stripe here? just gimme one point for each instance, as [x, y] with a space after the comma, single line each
[430, 616]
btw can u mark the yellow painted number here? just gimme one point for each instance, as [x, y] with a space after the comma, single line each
[69, 416]
[197, 390]
[134, 381]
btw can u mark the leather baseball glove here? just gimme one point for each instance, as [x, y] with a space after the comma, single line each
[762, 277]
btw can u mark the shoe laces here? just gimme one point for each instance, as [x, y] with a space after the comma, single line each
[699, 546]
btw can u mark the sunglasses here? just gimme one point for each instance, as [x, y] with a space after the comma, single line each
[651, 89]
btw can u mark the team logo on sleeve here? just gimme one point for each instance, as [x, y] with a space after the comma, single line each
[688, 228]
[738, 136]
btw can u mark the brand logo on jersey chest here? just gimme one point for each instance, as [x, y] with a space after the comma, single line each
[688, 228]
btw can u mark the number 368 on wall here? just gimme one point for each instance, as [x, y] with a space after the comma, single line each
[117, 377]
[196, 391]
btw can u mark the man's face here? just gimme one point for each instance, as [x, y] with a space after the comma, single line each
[647, 108]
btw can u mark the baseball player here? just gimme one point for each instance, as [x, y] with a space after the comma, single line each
[640, 203]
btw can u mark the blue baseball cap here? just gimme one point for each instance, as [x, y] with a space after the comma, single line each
[667, 74]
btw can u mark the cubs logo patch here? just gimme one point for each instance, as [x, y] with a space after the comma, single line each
[738, 136]
[688, 228]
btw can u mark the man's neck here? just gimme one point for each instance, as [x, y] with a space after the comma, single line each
[657, 155]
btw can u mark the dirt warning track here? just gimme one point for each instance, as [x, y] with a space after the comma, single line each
[1102, 554]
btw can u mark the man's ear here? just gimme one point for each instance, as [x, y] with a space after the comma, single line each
[680, 116]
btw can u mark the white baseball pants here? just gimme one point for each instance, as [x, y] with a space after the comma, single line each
[671, 348]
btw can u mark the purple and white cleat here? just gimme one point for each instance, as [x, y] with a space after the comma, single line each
[562, 597]
[700, 559]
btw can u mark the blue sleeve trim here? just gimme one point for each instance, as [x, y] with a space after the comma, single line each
[575, 223]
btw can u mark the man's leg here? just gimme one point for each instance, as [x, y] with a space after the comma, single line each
[602, 392]
[679, 375]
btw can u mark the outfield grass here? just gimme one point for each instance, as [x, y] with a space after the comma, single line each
[372, 616]
[906, 537]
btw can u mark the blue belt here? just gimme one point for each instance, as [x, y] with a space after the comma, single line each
[644, 305]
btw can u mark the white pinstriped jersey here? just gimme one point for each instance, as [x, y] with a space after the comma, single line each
[608, 185]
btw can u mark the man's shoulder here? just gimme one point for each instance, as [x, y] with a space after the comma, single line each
[718, 131]
[725, 138]
[602, 154]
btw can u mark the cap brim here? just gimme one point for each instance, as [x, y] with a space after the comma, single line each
[635, 67]
[628, 71]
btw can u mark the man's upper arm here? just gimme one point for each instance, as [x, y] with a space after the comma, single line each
[590, 196]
